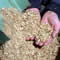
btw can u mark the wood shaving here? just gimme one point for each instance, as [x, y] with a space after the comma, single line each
[19, 26]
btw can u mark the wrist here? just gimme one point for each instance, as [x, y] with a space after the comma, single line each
[54, 8]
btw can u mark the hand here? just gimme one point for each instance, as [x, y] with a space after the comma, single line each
[34, 37]
[48, 18]
[52, 19]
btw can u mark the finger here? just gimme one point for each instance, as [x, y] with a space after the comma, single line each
[44, 19]
[59, 25]
[48, 41]
[55, 31]
[36, 11]
[36, 41]
[30, 38]
[41, 44]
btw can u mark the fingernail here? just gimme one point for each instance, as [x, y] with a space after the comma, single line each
[32, 37]
[46, 44]
[46, 23]
[27, 38]
[53, 35]
[36, 43]
[40, 44]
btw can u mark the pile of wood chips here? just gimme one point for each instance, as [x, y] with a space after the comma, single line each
[19, 26]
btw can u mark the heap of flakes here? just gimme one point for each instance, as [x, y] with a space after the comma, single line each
[19, 26]
[45, 32]
[28, 23]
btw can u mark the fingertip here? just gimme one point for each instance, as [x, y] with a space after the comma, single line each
[28, 38]
[48, 41]
[34, 9]
[54, 34]
[41, 44]
[32, 37]
[36, 43]
[46, 44]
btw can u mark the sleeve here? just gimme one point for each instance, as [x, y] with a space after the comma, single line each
[56, 1]
[35, 3]
[54, 6]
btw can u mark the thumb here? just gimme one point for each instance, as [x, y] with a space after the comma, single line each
[56, 30]
[48, 41]
[44, 19]
[36, 11]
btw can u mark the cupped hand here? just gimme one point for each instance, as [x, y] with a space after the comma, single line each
[51, 18]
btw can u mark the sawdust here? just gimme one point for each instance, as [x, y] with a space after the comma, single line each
[19, 26]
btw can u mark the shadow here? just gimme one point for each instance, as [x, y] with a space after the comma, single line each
[36, 46]
[3, 38]
[58, 38]
[58, 54]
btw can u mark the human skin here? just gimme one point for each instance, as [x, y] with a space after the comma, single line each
[51, 18]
